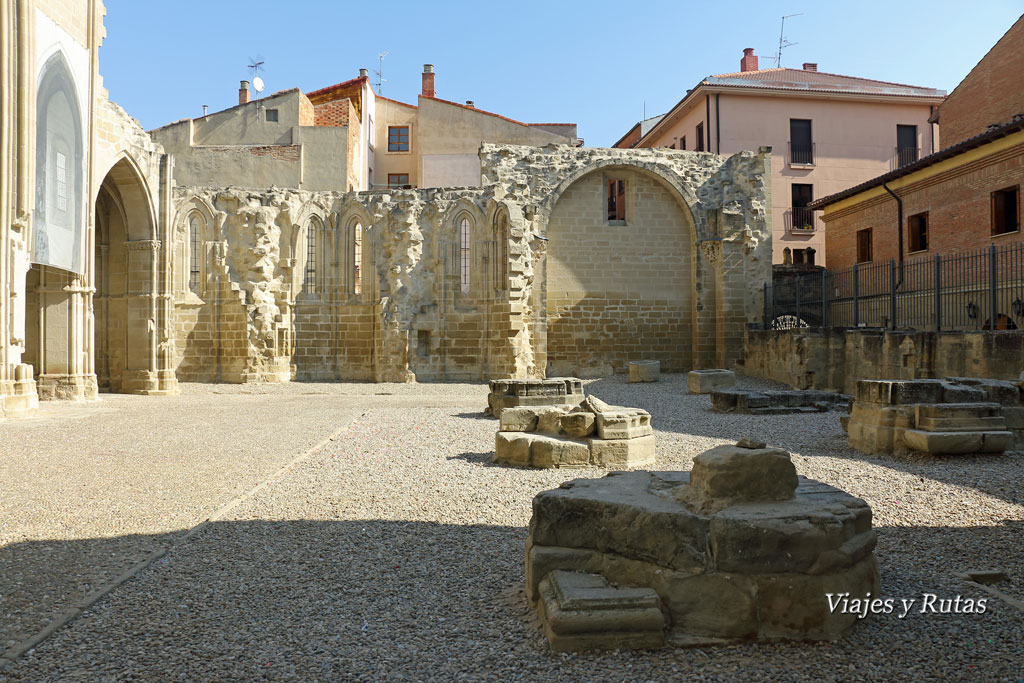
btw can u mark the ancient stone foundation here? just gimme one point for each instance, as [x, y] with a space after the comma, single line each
[510, 393]
[953, 416]
[738, 549]
[592, 434]
[776, 402]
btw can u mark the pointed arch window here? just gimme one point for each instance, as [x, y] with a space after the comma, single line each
[502, 236]
[312, 230]
[357, 258]
[464, 254]
[195, 235]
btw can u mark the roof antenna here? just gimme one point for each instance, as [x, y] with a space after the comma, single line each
[257, 82]
[380, 72]
[783, 43]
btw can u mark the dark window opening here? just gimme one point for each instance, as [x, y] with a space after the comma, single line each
[802, 257]
[194, 237]
[682, 142]
[864, 245]
[801, 145]
[616, 200]
[907, 151]
[803, 217]
[700, 138]
[310, 274]
[918, 232]
[398, 138]
[271, 115]
[1006, 210]
[399, 180]
[423, 343]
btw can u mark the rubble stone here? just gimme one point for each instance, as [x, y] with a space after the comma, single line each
[738, 549]
[776, 402]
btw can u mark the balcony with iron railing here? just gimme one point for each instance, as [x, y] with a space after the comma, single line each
[802, 220]
[801, 154]
[903, 156]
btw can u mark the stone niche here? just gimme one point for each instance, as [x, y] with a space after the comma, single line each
[511, 393]
[956, 415]
[738, 549]
[592, 434]
[777, 401]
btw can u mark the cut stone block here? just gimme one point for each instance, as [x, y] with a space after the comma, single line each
[730, 474]
[706, 381]
[948, 443]
[519, 419]
[509, 393]
[529, 449]
[584, 612]
[623, 453]
[512, 448]
[644, 370]
[776, 402]
[578, 425]
[625, 423]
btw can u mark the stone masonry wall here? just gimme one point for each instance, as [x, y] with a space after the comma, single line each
[836, 359]
[414, 317]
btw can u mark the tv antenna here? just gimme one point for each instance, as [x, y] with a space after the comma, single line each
[257, 82]
[783, 43]
[380, 72]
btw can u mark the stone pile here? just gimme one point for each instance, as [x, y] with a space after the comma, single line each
[953, 416]
[591, 434]
[738, 549]
[777, 402]
[555, 391]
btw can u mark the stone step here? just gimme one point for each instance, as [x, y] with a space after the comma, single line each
[940, 443]
[961, 424]
[957, 410]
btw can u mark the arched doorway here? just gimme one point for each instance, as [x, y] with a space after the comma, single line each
[125, 305]
[620, 275]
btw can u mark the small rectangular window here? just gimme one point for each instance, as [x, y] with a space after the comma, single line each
[700, 138]
[918, 232]
[398, 138]
[906, 145]
[801, 144]
[803, 217]
[682, 142]
[1006, 210]
[616, 200]
[399, 180]
[271, 116]
[864, 245]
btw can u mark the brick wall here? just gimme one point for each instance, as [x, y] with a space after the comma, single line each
[993, 92]
[307, 115]
[334, 113]
[958, 202]
[617, 293]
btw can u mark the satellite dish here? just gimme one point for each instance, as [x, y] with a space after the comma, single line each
[257, 83]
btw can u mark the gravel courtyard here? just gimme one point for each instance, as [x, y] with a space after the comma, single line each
[360, 532]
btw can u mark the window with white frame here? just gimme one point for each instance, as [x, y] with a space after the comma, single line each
[464, 254]
[357, 258]
[312, 230]
[195, 233]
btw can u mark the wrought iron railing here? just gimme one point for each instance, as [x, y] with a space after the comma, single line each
[905, 155]
[801, 153]
[802, 219]
[977, 290]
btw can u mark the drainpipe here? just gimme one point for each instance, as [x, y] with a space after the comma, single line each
[899, 228]
[718, 125]
[707, 117]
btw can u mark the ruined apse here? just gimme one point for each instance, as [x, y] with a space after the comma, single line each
[565, 261]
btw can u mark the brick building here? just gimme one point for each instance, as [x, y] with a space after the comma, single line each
[827, 132]
[965, 196]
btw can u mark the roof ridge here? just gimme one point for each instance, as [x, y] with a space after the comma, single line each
[825, 73]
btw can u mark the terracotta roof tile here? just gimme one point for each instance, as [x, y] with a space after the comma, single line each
[819, 81]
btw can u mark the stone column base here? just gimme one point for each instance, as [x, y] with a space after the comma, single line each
[149, 383]
[19, 398]
[82, 387]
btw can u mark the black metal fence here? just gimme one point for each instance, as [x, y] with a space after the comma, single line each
[979, 290]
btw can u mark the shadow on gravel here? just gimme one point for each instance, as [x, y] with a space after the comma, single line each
[485, 459]
[373, 599]
[475, 416]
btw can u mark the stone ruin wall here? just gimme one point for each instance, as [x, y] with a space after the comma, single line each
[252, 318]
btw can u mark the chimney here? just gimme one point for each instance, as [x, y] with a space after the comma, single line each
[206, 108]
[364, 73]
[243, 93]
[469, 103]
[428, 80]
[749, 61]
[810, 66]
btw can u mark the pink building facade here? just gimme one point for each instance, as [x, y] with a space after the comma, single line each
[827, 133]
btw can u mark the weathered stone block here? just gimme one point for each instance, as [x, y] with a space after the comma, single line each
[512, 448]
[942, 443]
[578, 425]
[706, 381]
[519, 419]
[644, 370]
[732, 473]
[623, 453]
[547, 451]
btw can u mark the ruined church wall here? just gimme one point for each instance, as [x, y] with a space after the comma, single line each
[619, 292]
[835, 359]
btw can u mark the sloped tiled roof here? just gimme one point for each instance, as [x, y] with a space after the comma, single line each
[818, 81]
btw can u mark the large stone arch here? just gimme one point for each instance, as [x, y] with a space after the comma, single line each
[620, 290]
[132, 350]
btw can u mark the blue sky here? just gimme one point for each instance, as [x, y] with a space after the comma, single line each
[594, 63]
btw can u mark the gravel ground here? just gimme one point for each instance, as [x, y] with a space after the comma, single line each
[396, 551]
